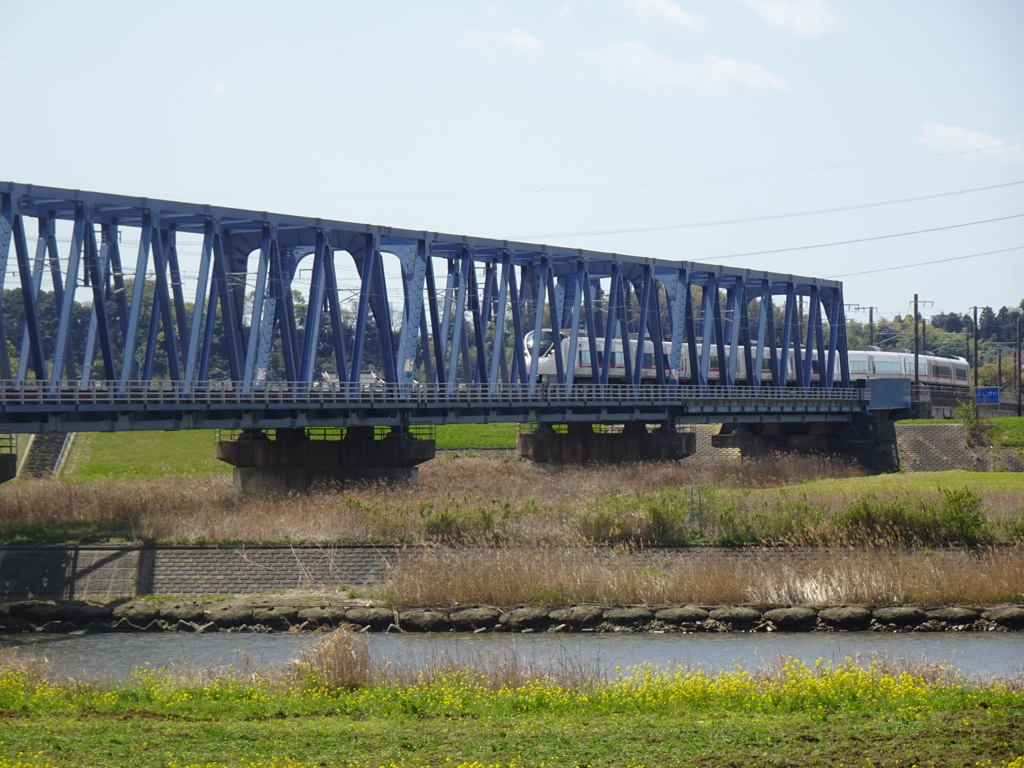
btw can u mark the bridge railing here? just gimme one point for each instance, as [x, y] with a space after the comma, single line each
[28, 393]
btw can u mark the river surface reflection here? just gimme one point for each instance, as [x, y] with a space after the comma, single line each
[117, 654]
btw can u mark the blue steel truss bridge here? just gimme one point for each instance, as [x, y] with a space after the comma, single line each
[126, 313]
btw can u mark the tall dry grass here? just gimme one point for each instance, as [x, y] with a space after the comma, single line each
[510, 503]
[469, 499]
[808, 576]
[342, 661]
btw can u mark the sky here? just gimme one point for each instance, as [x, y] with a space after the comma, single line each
[826, 138]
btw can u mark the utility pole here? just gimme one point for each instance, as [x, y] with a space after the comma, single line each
[1017, 367]
[917, 378]
[974, 332]
[871, 326]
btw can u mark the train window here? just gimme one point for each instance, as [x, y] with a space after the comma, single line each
[961, 374]
[714, 361]
[942, 370]
[648, 360]
[585, 357]
[886, 366]
[618, 358]
[815, 367]
[858, 366]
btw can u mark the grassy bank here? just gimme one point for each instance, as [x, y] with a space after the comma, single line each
[1007, 432]
[332, 707]
[511, 503]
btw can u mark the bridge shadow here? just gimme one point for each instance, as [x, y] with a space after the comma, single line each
[66, 573]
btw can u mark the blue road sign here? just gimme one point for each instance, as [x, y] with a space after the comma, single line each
[986, 395]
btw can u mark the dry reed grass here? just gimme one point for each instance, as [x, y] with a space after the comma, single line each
[341, 661]
[807, 576]
[36, 669]
[470, 499]
[484, 501]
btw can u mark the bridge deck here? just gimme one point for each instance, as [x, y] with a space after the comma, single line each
[30, 406]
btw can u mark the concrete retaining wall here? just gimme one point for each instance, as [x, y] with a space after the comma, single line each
[938, 447]
[90, 572]
[706, 454]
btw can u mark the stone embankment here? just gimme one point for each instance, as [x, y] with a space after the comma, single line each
[268, 615]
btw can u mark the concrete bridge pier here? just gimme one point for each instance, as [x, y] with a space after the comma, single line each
[8, 466]
[861, 440]
[580, 444]
[294, 462]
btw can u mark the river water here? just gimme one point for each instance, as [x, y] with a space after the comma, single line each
[117, 654]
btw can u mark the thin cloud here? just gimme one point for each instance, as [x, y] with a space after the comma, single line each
[219, 90]
[491, 43]
[955, 138]
[800, 18]
[570, 7]
[666, 12]
[636, 65]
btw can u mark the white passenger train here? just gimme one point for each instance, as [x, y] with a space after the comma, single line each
[864, 364]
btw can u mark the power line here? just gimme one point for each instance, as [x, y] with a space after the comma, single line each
[769, 217]
[929, 263]
[624, 184]
[861, 239]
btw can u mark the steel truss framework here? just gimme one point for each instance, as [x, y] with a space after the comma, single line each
[456, 321]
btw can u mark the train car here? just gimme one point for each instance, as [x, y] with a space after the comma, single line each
[864, 364]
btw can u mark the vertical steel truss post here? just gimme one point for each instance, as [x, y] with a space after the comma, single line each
[674, 282]
[29, 295]
[539, 287]
[413, 258]
[495, 293]
[579, 285]
[709, 310]
[555, 315]
[592, 320]
[644, 290]
[498, 358]
[31, 348]
[611, 319]
[61, 359]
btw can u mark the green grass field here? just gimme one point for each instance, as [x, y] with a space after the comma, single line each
[143, 455]
[651, 716]
[1007, 431]
[460, 437]
[153, 455]
[921, 481]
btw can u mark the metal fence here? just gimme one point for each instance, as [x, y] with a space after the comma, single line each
[147, 393]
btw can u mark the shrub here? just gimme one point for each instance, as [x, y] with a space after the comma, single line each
[962, 517]
[340, 662]
[897, 520]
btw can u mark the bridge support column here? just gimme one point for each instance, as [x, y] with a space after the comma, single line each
[580, 444]
[294, 462]
[8, 466]
[861, 441]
